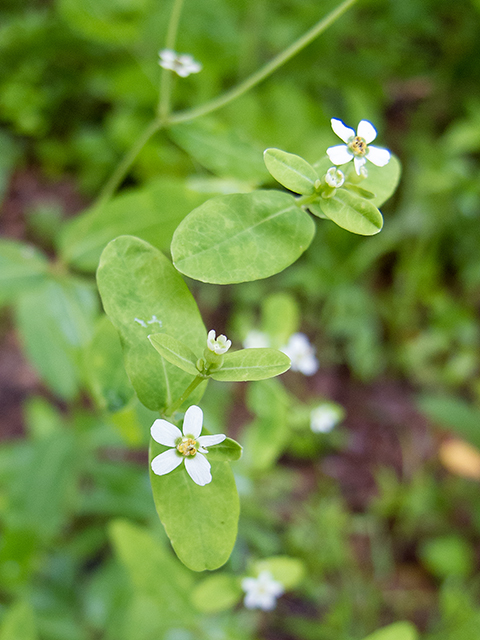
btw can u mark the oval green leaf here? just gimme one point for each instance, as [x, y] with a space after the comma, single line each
[241, 237]
[289, 571]
[352, 213]
[396, 631]
[142, 292]
[227, 451]
[201, 522]
[175, 352]
[217, 593]
[291, 171]
[252, 364]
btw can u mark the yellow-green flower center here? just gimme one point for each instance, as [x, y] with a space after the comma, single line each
[187, 447]
[357, 146]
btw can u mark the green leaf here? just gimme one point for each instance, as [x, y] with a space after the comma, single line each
[265, 438]
[453, 413]
[217, 593]
[201, 522]
[291, 171]
[241, 237]
[154, 571]
[142, 292]
[21, 267]
[280, 317]
[352, 213]
[252, 364]
[19, 623]
[221, 150]
[56, 321]
[359, 191]
[227, 451]
[105, 372]
[175, 352]
[152, 213]
[289, 571]
[395, 631]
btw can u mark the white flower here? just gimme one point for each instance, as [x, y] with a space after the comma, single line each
[256, 339]
[324, 417]
[301, 354]
[220, 345]
[188, 448]
[262, 592]
[334, 178]
[182, 64]
[357, 146]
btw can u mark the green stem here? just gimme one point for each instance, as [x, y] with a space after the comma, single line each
[164, 104]
[178, 403]
[266, 70]
[121, 171]
[302, 201]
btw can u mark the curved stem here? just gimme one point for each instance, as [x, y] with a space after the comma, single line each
[266, 70]
[121, 171]
[178, 403]
[166, 77]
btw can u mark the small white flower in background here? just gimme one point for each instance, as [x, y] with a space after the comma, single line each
[356, 146]
[301, 354]
[262, 592]
[334, 178]
[188, 447]
[218, 345]
[256, 339]
[182, 64]
[324, 417]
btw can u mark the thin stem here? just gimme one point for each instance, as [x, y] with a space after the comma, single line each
[120, 172]
[178, 403]
[266, 70]
[164, 104]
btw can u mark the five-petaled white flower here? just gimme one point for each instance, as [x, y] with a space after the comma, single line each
[357, 146]
[182, 64]
[324, 417]
[256, 339]
[219, 345]
[262, 592]
[188, 447]
[301, 354]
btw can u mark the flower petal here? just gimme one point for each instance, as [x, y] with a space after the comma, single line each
[359, 162]
[209, 441]
[193, 421]
[339, 154]
[166, 462]
[343, 132]
[198, 468]
[379, 157]
[165, 433]
[367, 131]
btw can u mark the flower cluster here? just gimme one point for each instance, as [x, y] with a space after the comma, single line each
[262, 592]
[357, 146]
[182, 64]
[324, 417]
[188, 447]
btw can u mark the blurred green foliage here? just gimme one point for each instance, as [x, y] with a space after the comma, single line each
[82, 555]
